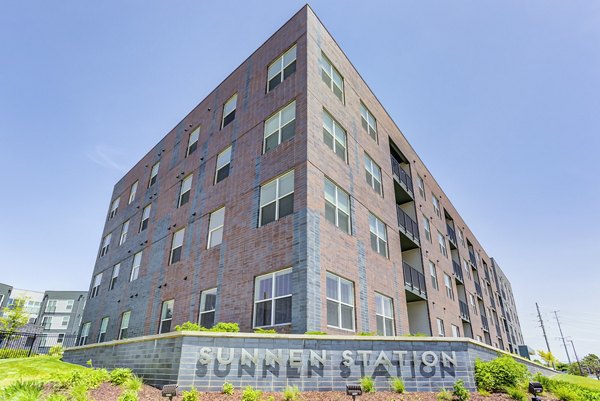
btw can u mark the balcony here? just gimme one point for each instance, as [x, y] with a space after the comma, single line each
[451, 237]
[464, 311]
[487, 275]
[498, 332]
[409, 228]
[414, 281]
[404, 187]
[478, 290]
[485, 324]
[492, 302]
[472, 259]
[457, 272]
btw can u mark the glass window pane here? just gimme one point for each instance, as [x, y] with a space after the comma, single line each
[268, 193]
[347, 317]
[274, 69]
[378, 304]
[283, 310]
[207, 320]
[346, 292]
[330, 191]
[332, 313]
[267, 214]
[380, 325]
[264, 288]
[217, 218]
[330, 212]
[288, 113]
[286, 205]
[263, 313]
[272, 125]
[271, 142]
[286, 184]
[283, 284]
[389, 327]
[343, 221]
[289, 56]
[332, 287]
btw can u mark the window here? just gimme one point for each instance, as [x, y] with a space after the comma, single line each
[337, 206]
[208, 302]
[215, 227]
[332, 77]
[373, 174]
[466, 268]
[455, 331]
[166, 316]
[135, 267]
[133, 192]
[223, 165]
[105, 245]
[153, 174]
[229, 110]
[340, 302]
[440, 325]
[472, 302]
[47, 322]
[277, 198]
[145, 217]
[384, 314]
[479, 338]
[280, 127]
[176, 246]
[433, 273]
[65, 321]
[124, 325]
[280, 69]
[192, 142]
[436, 206]
[85, 331]
[124, 230]
[427, 228]
[421, 186]
[103, 328]
[448, 284]
[115, 275]
[369, 123]
[273, 299]
[334, 136]
[113, 208]
[442, 244]
[96, 285]
[185, 190]
[461, 237]
[378, 235]
[50, 306]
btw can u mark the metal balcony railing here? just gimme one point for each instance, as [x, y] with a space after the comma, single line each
[472, 258]
[484, 322]
[451, 235]
[464, 311]
[402, 175]
[457, 271]
[414, 279]
[407, 223]
[478, 290]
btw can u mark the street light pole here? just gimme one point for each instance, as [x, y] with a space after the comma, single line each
[576, 357]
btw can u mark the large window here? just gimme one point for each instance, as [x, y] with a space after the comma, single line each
[384, 313]
[124, 230]
[229, 111]
[448, 284]
[427, 228]
[440, 325]
[124, 325]
[273, 299]
[166, 316]
[433, 274]
[145, 217]
[280, 127]
[369, 123]
[208, 302]
[223, 165]
[334, 135]
[340, 302]
[185, 191]
[277, 198]
[378, 235]
[421, 186]
[153, 174]
[135, 267]
[215, 227]
[193, 142]
[113, 208]
[436, 206]
[96, 286]
[373, 174]
[115, 275]
[105, 245]
[280, 69]
[133, 192]
[332, 77]
[455, 331]
[103, 328]
[176, 246]
[442, 244]
[85, 332]
[337, 206]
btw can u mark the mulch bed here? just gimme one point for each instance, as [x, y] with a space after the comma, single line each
[108, 392]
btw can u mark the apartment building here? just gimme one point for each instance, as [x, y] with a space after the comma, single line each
[289, 199]
[60, 316]
[5, 291]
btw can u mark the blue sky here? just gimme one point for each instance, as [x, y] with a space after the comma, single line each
[500, 99]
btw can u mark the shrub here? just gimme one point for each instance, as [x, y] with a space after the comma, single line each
[516, 394]
[368, 384]
[316, 333]
[367, 333]
[56, 350]
[189, 326]
[93, 378]
[57, 397]
[22, 390]
[265, 331]
[134, 383]
[444, 395]
[460, 392]
[223, 327]
[250, 394]
[564, 393]
[128, 395]
[270, 398]
[227, 388]
[13, 353]
[79, 392]
[192, 395]
[120, 375]
[499, 374]
[291, 393]
[484, 393]
[416, 335]
[397, 385]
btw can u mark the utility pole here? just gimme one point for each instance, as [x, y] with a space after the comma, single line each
[562, 337]
[576, 357]
[542, 326]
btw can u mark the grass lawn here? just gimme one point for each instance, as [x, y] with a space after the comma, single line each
[586, 382]
[38, 367]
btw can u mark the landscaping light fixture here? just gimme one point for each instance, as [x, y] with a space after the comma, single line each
[353, 390]
[535, 388]
[169, 390]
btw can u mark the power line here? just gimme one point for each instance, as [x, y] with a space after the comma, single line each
[562, 337]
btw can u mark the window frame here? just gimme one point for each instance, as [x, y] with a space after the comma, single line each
[185, 189]
[105, 244]
[114, 207]
[278, 197]
[421, 186]
[203, 294]
[330, 72]
[376, 234]
[195, 133]
[436, 205]
[339, 302]
[374, 168]
[124, 231]
[280, 126]
[154, 174]
[176, 246]
[114, 277]
[96, 285]
[365, 112]
[126, 328]
[133, 192]
[84, 334]
[448, 286]
[145, 219]
[383, 298]
[212, 230]
[442, 244]
[433, 275]
[281, 59]
[135, 269]
[441, 328]
[164, 319]
[333, 131]
[427, 229]
[272, 300]
[336, 206]
[232, 98]
[103, 326]
[228, 149]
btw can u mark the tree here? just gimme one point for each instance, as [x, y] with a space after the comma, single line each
[591, 362]
[548, 357]
[14, 317]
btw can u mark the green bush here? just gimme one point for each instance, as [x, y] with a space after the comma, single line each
[57, 397]
[499, 374]
[397, 385]
[134, 383]
[291, 393]
[227, 388]
[250, 394]
[192, 395]
[444, 395]
[565, 393]
[367, 333]
[79, 392]
[189, 326]
[460, 392]
[22, 390]
[13, 353]
[223, 327]
[56, 350]
[119, 376]
[316, 333]
[128, 395]
[516, 394]
[93, 378]
[368, 384]
[416, 335]
[265, 331]
[484, 393]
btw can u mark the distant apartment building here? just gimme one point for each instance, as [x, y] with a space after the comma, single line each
[61, 313]
[33, 302]
[505, 299]
[5, 291]
[289, 199]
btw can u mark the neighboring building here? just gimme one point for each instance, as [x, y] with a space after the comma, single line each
[5, 291]
[288, 198]
[61, 313]
[32, 304]
[508, 309]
